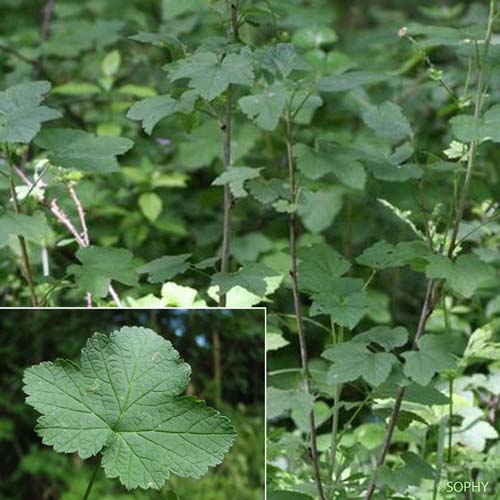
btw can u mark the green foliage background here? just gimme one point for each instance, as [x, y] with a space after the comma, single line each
[31, 470]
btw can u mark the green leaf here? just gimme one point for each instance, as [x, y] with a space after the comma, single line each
[21, 115]
[151, 205]
[253, 277]
[487, 128]
[266, 108]
[388, 122]
[111, 63]
[236, 178]
[280, 59]
[434, 355]
[76, 149]
[165, 268]
[415, 470]
[384, 336]
[314, 36]
[267, 190]
[31, 227]
[319, 209]
[349, 81]
[100, 265]
[174, 8]
[383, 255]
[175, 47]
[352, 360]
[346, 310]
[209, 76]
[317, 163]
[463, 276]
[248, 248]
[319, 264]
[287, 495]
[280, 401]
[123, 399]
[151, 110]
[313, 164]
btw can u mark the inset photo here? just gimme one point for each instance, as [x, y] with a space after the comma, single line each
[123, 404]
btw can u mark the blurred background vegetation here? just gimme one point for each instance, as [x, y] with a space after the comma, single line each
[225, 349]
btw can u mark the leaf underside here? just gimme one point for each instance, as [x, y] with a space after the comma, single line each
[123, 399]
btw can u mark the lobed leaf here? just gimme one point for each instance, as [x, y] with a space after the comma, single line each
[123, 399]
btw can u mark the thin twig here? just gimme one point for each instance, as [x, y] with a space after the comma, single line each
[293, 230]
[17, 54]
[227, 127]
[64, 219]
[81, 213]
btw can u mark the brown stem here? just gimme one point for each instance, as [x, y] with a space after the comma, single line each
[293, 230]
[216, 352]
[44, 34]
[430, 303]
[227, 130]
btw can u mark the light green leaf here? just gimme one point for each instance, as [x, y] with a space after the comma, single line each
[275, 341]
[319, 264]
[123, 399]
[319, 209]
[482, 344]
[314, 36]
[174, 295]
[150, 205]
[434, 355]
[474, 430]
[76, 149]
[463, 276]
[388, 338]
[209, 76]
[100, 265]
[352, 360]
[487, 128]
[77, 89]
[349, 81]
[236, 178]
[266, 108]
[175, 47]
[31, 227]
[21, 115]
[111, 63]
[253, 277]
[151, 110]
[165, 268]
[388, 122]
